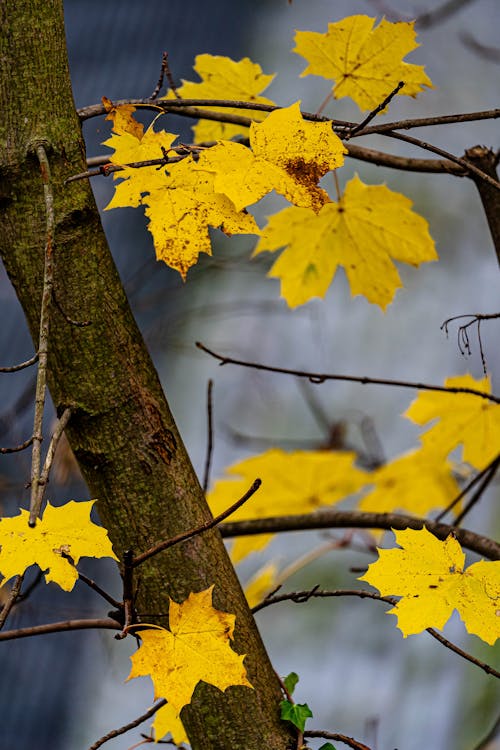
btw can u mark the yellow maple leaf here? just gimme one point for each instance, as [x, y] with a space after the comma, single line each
[223, 78]
[418, 482]
[366, 63]
[122, 118]
[179, 201]
[195, 648]
[296, 482]
[465, 419]
[429, 575]
[64, 529]
[288, 154]
[166, 722]
[362, 232]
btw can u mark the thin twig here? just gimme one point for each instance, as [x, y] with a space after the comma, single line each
[355, 519]
[159, 85]
[371, 115]
[170, 79]
[465, 490]
[49, 458]
[11, 600]
[60, 627]
[95, 587]
[462, 333]
[319, 378]
[300, 597]
[131, 725]
[210, 435]
[486, 480]
[16, 368]
[48, 275]
[18, 448]
[128, 593]
[199, 529]
[464, 163]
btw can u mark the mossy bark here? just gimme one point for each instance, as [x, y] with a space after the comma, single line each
[121, 429]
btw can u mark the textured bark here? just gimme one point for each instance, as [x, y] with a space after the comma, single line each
[487, 160]
[121, 430]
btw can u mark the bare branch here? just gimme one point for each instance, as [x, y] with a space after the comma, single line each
[60, 627]
[16, 368]
[131, 725]
[354, 519]
[199, 529]
[300, 597]
[11, 600]
[319, 378]
[48, 276]
[18, 448]
[210, 435]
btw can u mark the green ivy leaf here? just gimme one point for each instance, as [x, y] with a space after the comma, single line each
[297, 713]
[327, 746]
[290, 681]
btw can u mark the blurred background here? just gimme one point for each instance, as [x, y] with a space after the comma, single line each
[357, 673]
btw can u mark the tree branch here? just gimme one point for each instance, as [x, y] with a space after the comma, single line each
[300, 597]
[319, 378]
[131, 725]
[59, 627]
[352, 519]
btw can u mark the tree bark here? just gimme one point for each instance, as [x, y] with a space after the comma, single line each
[121, 429]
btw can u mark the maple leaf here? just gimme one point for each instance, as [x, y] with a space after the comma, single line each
[362, 232]
[223, 78]
[179, 202]
[418, 482]
[288, 154]
[64, 529]
[296, 482]
[168, 722]
[366, 63]
[465, 419]
[195, 648]
[122, 118]
[429, 575]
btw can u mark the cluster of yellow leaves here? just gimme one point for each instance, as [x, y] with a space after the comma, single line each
[62, 532]
[196, 647]
[363, 231]
[298, 482]
[417, 482]
[430, 577]
[180, 202]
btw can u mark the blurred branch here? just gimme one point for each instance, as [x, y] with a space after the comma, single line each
[492, 54]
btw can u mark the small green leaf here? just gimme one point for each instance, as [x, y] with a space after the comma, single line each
[290, 681]
[327, 746]
[297, 713]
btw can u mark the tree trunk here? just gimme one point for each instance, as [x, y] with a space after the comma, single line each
[121, 429]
